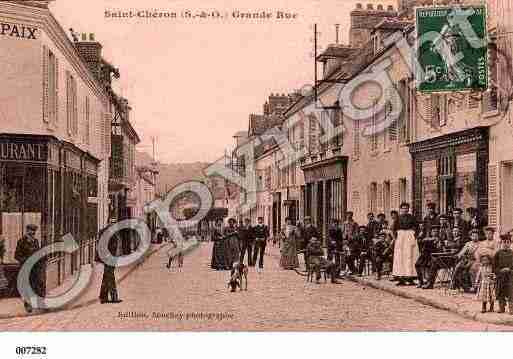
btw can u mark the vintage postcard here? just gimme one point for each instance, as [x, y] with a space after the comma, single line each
[249, 166]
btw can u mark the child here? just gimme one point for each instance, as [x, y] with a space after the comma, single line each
[503, 267]
[381, 254]
[485, 282]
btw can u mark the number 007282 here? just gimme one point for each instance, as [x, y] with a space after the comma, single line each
[31, 350]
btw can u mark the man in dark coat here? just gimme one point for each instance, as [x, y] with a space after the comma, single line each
[261, 234]
[503, 269]
[309, 232]
[336, 245]
[247, 241]
[317, 260]
[372, 225]
[25, 248]
[108, 286]
[427, 247]
[458, 221]
[381, 251]
[366, 245]
[355, 248]
[431, 217]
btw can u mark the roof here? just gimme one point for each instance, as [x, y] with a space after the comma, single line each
[392, 24]
[337, 51]
[258, 124]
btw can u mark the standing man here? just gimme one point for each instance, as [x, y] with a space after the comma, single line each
[25, 248]
[372, 225]
[247, 240]
[109, 279]
[431, 218]
[261, 234]
[350, 228]
[459, 222]
[380, 224]
[406, 251]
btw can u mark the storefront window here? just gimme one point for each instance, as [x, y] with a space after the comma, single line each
[466, 174]
[429, 184]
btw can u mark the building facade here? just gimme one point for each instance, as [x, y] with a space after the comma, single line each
[53, 138]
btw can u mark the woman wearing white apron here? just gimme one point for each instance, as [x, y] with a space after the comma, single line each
[406, 251]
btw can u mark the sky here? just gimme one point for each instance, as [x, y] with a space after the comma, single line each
[192, 83]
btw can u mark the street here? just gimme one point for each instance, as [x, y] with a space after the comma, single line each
[276, 300]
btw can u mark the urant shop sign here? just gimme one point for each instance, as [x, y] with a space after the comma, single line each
[18, 151]
[18, 30]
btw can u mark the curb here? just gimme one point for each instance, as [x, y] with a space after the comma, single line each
[438, 304]
[120, 280]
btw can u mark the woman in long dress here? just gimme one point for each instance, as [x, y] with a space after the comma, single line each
[231, 235]
[290, 237]
[219, 248]
[406, 250]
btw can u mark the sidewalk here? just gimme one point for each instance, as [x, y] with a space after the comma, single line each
[13, 307]
[459, 303]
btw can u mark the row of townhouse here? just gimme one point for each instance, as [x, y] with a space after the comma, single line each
[59, 122]
[446, 148]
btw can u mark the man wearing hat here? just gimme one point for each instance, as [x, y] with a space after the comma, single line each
[381, 253]
[317, 261]
[335, 245]
[490, 244]
[355, 248]
[261, 234]
[467, 264]
[458, 221]
[446, 229]
[350, 228]
[431, 218]
[309, 232]
[247, 241]
[25, 248]
[503, 269]
[427, 246]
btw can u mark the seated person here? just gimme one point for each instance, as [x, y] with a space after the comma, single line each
[448, 245]
[467, 265]
[365, 253]
[427, 246]
[355, 248]
[317, 261]
[382, 252]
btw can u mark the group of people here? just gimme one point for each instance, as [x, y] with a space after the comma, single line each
[234, 243]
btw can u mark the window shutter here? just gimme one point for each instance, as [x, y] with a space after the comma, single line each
[427, 105]
[46, 109]
[68, 104]
[369, 197]
[356, 138]
[87, 121]
[56, 94]
[75, 107]
[108, 132]
[389, 108]
[394, 195]
[435, 111]
[493, 195]
[379, 197]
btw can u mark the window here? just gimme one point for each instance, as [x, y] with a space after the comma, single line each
[71, 104]
[373, 138]
[490, 97]
[336, 121]
[356, 139]
[313, 141]
[268, 177]
[387, 197]
[373, 199]
[405, 93]
[87, 116]
[50, 88]
[403, 190]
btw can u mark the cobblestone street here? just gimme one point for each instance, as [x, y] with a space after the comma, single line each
[276, 300]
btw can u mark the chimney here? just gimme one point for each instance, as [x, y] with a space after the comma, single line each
[363, 22]
[91, 53]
